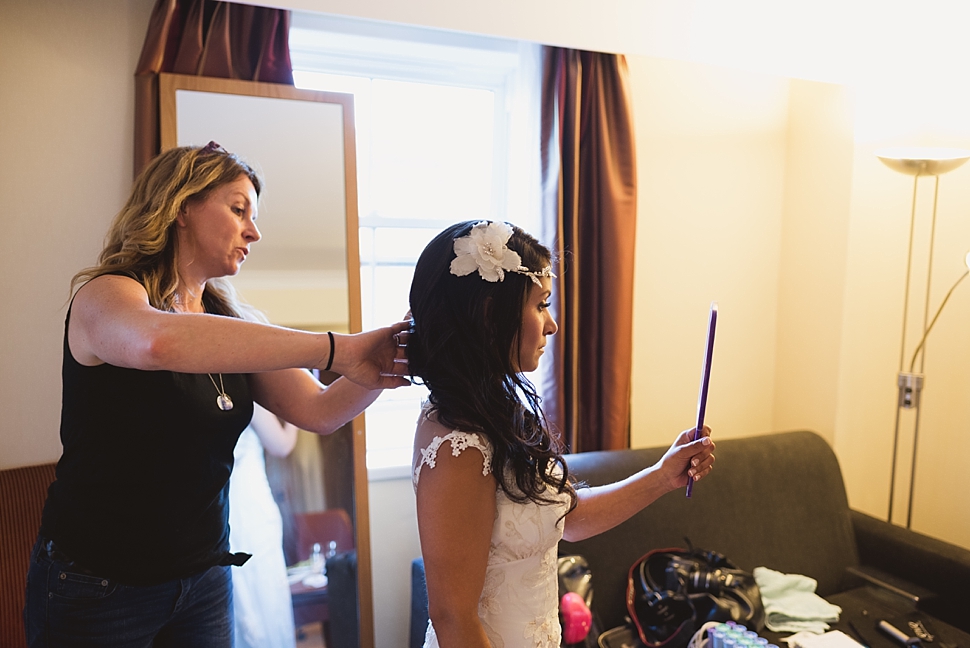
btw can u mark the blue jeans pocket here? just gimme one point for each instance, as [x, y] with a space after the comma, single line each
[72, 585]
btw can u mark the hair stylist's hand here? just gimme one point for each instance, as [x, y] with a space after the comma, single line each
[373, 359]
[685, 455]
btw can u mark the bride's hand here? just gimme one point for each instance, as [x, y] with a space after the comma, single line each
[686, 458]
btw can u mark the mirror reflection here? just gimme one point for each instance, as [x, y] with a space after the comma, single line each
[293, 500]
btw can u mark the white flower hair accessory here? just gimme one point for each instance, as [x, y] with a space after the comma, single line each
[485, 249]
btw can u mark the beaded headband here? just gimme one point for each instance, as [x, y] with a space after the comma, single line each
[485, 249]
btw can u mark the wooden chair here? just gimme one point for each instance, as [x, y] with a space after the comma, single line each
[323, 527]
[23, 492]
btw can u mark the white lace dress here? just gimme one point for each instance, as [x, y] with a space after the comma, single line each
[263, 610]
[519, 605]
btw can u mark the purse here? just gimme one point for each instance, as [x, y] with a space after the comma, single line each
[671, 593]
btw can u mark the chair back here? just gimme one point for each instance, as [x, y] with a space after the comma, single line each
[419, 604]
[23, 492]
[323, 527]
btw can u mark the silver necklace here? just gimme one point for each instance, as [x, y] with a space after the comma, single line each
[222, 400]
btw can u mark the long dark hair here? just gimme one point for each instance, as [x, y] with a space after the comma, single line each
[465, 337]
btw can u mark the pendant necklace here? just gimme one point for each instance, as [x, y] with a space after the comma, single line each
[222, 400]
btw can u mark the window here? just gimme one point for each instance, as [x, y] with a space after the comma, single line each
[443, 135]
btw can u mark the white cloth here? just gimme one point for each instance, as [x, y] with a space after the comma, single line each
[519, 605]
[261, 602]
[791, 604]
[831, 639]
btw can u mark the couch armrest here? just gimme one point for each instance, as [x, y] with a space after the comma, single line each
[938, 566]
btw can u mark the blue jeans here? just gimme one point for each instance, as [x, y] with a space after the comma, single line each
[70, 607]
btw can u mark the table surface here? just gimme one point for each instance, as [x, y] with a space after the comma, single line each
[864, 607]
[310, 604]
[301, 592]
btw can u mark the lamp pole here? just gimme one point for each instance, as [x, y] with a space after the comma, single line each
[917, 162]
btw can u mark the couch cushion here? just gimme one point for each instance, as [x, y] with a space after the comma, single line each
[776, 500]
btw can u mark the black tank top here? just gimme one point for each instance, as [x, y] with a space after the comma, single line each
[142, 493]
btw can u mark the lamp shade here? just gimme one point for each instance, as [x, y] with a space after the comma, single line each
[923, 161]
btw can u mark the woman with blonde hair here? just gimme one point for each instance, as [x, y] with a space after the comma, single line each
[494, 495]
[161, 370]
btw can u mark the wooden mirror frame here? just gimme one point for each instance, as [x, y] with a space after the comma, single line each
[169, 84]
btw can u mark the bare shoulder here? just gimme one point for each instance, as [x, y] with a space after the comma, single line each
[107, 291]
[100, 310]
[450, 453]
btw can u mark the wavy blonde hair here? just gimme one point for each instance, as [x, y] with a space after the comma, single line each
[141, 242]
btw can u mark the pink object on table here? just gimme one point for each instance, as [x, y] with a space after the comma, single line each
[576, 618]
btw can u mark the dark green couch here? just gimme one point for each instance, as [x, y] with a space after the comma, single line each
[779, 501]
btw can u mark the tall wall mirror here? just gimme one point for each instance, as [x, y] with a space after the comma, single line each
[304, 273]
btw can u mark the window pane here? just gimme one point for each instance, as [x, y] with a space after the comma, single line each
[431, 151]
[425, 152]
[366, 245]
[391, 287]
[368, 298]
[404, 246]
[390, 426]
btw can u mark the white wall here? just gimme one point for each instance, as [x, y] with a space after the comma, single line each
[394, 544]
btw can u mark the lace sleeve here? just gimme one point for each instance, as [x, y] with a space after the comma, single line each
[460, 441]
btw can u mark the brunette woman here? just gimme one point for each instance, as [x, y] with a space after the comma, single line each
[493, 490]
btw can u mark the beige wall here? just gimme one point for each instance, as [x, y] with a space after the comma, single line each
[838, 41]
[66, 106]
[871, 333]
[745, 185]
[711, 148]
[815, 229]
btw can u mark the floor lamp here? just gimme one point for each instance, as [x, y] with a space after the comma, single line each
[917, 162]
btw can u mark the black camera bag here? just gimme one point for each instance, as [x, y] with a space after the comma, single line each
[671, 593]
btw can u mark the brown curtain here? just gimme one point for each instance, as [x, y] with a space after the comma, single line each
[206, 38]
[589, 215]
